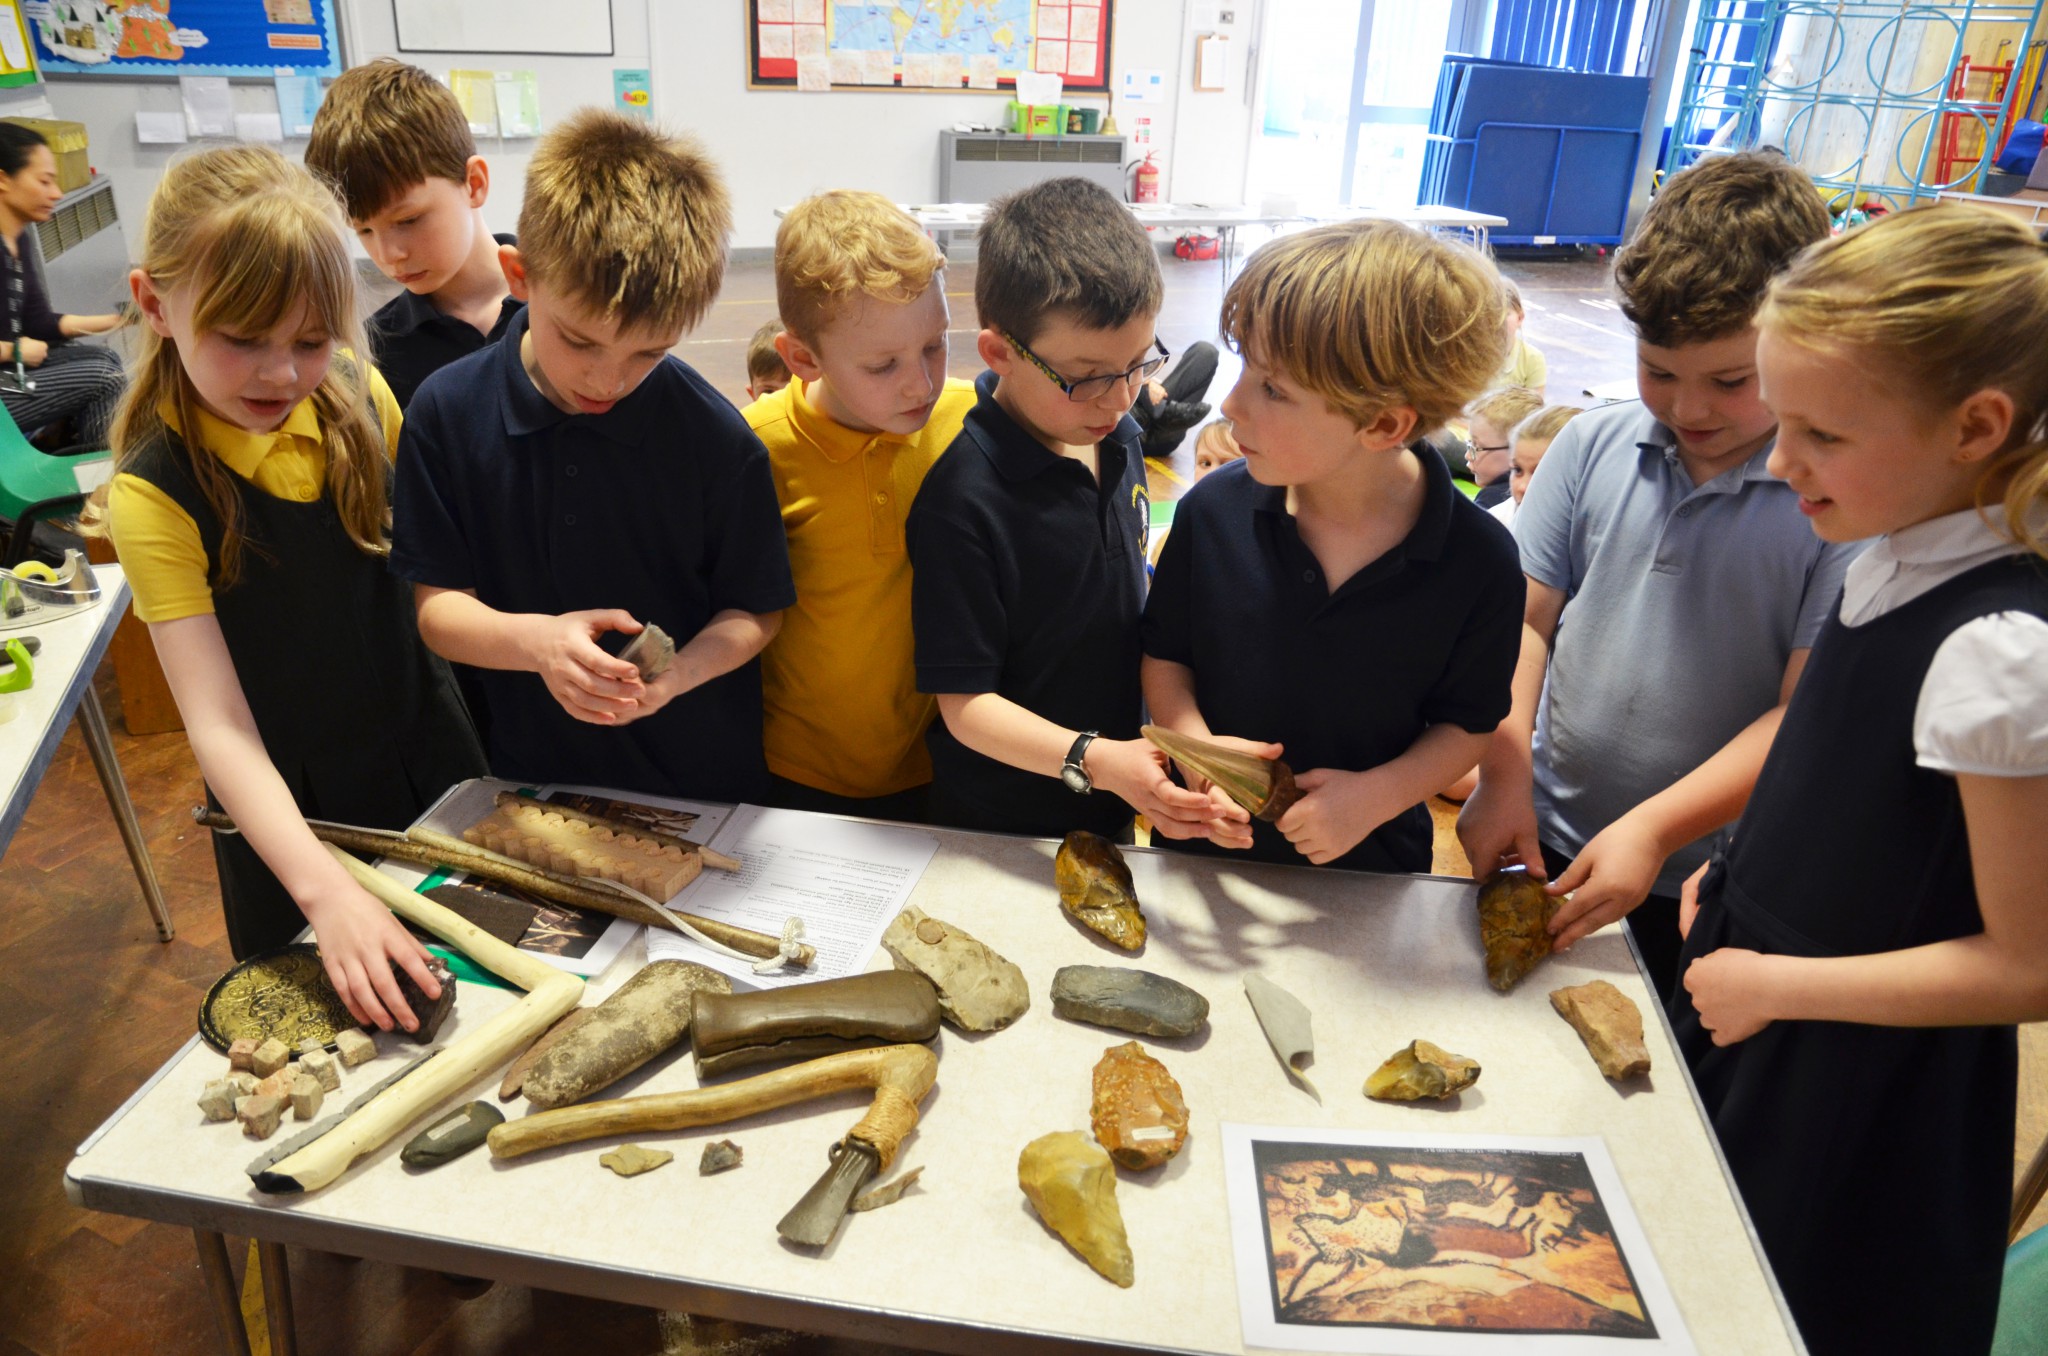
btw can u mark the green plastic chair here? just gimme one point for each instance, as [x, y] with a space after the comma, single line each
[2023, 1305]
[36, 485]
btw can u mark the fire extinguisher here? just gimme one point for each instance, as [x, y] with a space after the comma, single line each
[1145, 180]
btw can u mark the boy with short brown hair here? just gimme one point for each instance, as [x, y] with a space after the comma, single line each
[396, 147]
[867, 411]
[1332, 598]
[1692, 586]
[578, 480]
[766, 372]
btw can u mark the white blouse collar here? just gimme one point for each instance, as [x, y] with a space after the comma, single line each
[1901, 566]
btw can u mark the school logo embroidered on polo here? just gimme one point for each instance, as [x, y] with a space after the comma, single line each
[1142, 502]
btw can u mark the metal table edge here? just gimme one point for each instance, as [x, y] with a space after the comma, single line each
[115, 601]
[540, 1270]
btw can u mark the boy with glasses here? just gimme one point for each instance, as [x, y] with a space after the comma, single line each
[1027, 540]
[1492, 419]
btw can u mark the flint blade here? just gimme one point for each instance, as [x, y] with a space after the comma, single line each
[812, 1221]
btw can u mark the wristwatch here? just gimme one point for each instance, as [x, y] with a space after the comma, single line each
[1071, 772]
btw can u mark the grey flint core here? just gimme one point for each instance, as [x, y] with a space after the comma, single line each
[1137, 1001]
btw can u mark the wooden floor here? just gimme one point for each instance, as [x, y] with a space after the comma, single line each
[92, 1003]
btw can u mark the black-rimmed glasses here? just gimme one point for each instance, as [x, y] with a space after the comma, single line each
[1092, 388]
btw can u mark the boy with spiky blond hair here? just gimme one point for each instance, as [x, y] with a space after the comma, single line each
[868, 409]
[577, 480]
[1331, 597]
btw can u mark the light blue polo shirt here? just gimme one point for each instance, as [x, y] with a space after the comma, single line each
[1683, 605]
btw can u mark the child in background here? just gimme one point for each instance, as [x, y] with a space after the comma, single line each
[766, 372]
[1531, 439]
[1525, 365]
[1027, 541]
[1214, 447]
[1492, 419]
[578, 480]
[249, 506]
[862, 290]
[1333, 592]
[1878, 915]
[1673, 586]
[396, 146]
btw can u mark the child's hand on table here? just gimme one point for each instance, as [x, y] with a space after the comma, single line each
[591, 685]
[1611, 875]
[359, 939]
[1732, 991]
[1340, 809]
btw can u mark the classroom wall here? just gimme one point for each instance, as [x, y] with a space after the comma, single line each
[775, 146]
[778, 146]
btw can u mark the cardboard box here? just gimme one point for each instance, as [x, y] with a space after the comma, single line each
[68, 143]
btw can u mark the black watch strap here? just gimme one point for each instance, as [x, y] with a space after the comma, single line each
[1071, 772]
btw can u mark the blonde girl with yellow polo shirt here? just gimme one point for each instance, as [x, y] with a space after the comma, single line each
[251, 510]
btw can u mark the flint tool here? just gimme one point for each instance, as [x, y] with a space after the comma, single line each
[900, 1075]
[1264, 786]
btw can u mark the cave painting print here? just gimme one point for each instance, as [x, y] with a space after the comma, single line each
[1470, 1240]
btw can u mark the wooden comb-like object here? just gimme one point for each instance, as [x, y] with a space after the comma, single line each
[533, 833]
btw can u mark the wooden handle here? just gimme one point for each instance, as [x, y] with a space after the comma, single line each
[550, 993]
[902, 1073]
[594, 895]
[427, 847]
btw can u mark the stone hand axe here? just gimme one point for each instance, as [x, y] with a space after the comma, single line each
[900, 1076]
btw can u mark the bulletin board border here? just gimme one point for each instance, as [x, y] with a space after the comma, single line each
[1006, 86]
[327, 26]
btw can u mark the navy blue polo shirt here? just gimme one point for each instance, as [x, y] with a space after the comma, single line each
[1427, 634]
[663, 505]
[411, 340]
[1027, 579]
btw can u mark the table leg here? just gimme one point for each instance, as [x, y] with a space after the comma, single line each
[277, 1298]
[92, 719]
[220, 1288]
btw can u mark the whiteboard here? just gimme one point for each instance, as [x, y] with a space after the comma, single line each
[512, 27]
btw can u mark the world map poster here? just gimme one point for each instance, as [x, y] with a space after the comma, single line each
[926, 44]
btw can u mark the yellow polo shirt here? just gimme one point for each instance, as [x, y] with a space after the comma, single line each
[158, 542]
[1525, 366]
[843, 713]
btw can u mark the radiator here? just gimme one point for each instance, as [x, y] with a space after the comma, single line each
[980, 166]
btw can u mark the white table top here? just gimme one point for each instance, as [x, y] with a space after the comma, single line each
[961, 1264]
[72, 648]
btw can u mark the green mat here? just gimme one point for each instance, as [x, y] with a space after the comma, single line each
[2023, 1305]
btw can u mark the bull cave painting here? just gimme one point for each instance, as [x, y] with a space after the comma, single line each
[1466, 1240]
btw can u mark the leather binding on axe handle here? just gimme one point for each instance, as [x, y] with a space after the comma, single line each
[806, 1021]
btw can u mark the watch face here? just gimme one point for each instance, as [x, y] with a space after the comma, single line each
[1077, 781]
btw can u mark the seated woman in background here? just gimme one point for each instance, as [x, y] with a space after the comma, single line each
[78, 383]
